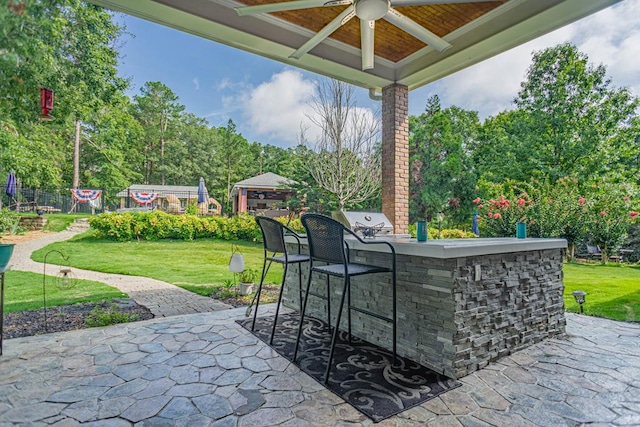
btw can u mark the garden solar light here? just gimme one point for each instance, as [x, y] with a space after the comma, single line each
[579, 296]
[65, 279]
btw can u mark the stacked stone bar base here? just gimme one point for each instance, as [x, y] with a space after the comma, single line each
[455, 315]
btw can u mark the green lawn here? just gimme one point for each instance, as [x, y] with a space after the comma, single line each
[59, 221]
[23, 291]
[613, 290]
[200, 266]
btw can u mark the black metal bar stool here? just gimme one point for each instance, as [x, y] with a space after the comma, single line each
[273, 233]
[327, 245]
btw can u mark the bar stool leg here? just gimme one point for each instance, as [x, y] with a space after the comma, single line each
[335, 331]
[304, 308]
[349, 310]
[275, 319]
[300, 284]
[395, 318]
[328, 303]
[265, 269]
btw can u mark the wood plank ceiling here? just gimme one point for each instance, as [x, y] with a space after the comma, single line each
[475, 31]
[390, 42]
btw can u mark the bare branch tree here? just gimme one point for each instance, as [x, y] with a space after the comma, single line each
[347, 165]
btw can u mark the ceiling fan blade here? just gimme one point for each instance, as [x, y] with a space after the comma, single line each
[416, 30]
[429, 2]
[366, 42]
[279, 7]
[342, 19]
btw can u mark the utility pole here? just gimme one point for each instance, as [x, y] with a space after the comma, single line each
[76, 156]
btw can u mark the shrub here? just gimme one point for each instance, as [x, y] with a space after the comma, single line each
[612, 212]
[446, 233]
[9, 221]
[157, 225]
[600, 213]
[105, 316]
[248, 275]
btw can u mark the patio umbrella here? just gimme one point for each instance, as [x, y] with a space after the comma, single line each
[474, 225]
[10, 187]
[203, 196]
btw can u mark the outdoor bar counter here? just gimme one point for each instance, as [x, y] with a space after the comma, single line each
[462, 303]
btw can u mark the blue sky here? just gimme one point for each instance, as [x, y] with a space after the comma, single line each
[267, 100]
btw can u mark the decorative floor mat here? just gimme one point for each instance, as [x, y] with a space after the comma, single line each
[362, 373]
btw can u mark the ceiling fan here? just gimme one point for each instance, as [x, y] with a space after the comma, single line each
[368, 11]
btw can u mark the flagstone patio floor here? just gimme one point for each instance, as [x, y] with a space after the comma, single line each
[205, 370]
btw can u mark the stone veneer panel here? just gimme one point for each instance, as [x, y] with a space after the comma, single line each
[448, 320]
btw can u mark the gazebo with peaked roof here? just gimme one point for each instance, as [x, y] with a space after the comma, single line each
[261, 193]
[389, 47]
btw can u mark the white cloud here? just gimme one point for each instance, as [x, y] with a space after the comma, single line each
[276, 108]
[196, 83]
[610, 37]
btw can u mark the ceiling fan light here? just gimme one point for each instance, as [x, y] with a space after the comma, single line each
[371, 10]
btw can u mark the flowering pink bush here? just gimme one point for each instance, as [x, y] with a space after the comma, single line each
[611, 215]
[600, 214]
[498, 217]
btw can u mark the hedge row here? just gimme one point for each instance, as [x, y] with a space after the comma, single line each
[157, 225]
[446, 233]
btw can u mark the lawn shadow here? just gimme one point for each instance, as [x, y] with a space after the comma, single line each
[625, 307]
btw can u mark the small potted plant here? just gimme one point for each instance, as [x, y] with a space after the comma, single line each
[247, 280]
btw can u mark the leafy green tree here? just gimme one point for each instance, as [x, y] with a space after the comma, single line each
[190, 154]
[308, 196]
[570, 121]
[67, 46]
[158, 111]
[233, 156]
[442, 175]
[33, 153]
[111, 152]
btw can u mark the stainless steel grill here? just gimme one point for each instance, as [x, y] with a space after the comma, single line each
[366, 223]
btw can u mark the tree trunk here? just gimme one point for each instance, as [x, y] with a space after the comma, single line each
[571, 251]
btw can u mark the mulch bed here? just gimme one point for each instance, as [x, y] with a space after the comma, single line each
[62, 318]
[269, 294]
[72, 317]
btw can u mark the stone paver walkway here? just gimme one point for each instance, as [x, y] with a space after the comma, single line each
[163, 299]
[205, 370]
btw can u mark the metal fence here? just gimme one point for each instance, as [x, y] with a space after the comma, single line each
[56, 200]
[48, 201]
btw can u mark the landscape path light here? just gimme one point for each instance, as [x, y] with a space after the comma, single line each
[579, 296]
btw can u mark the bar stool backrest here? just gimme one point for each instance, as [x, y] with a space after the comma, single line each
[326, 238]
[272, 234]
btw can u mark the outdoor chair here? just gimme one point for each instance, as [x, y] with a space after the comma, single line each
[273, 233]
[329, 254]
[594, 252]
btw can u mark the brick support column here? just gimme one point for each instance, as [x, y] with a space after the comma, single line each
[395, 156]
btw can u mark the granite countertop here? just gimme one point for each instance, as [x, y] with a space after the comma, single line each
[454, 248]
